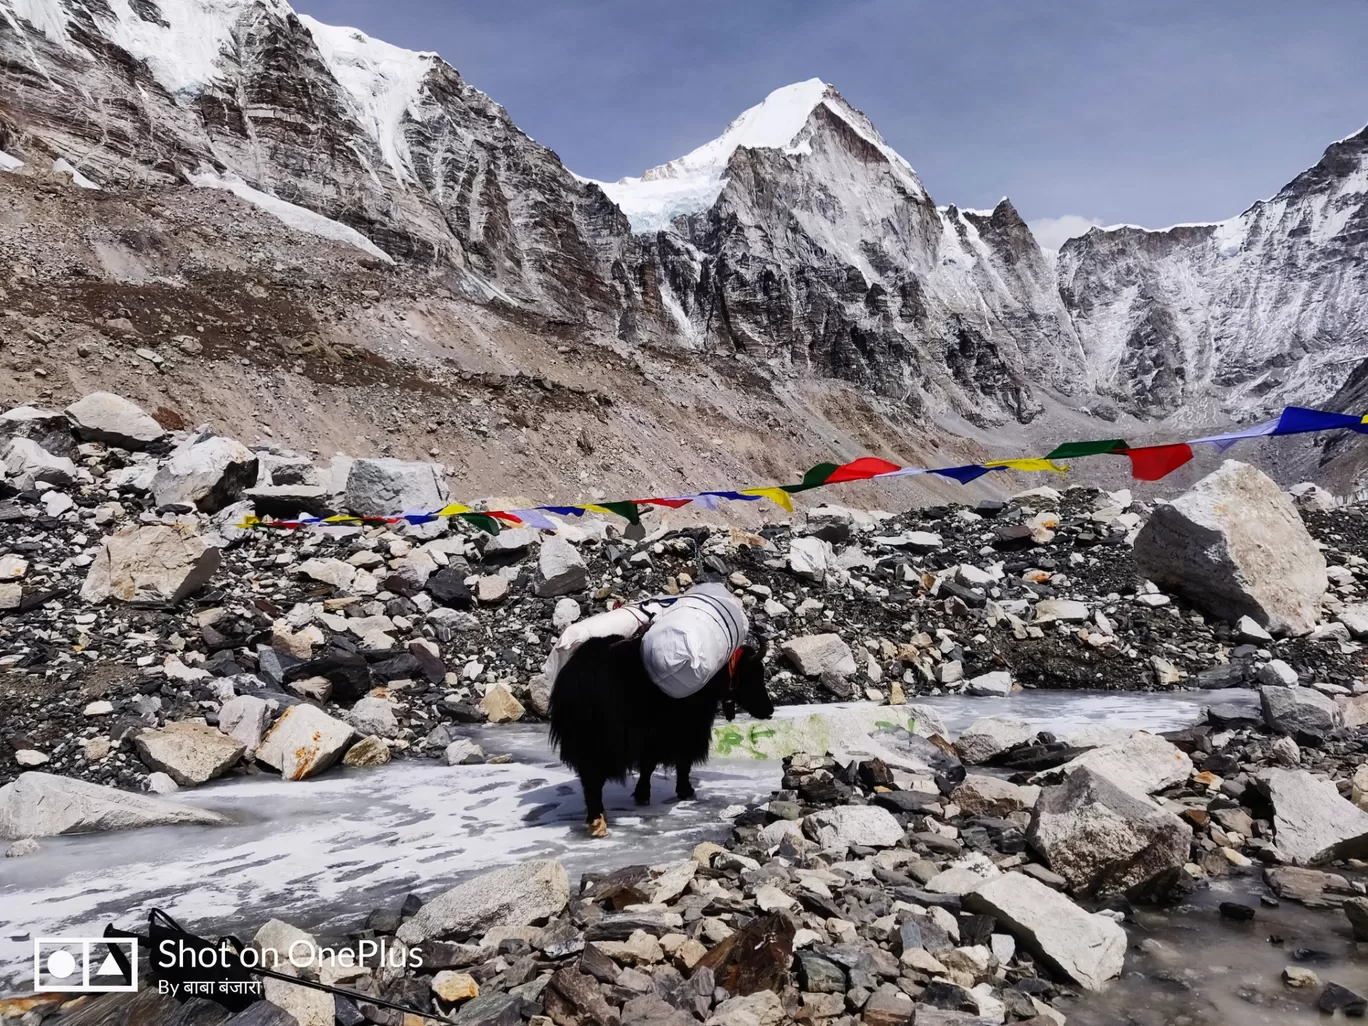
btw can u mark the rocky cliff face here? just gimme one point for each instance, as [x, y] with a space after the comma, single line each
[1261, 310]
[390, 142]
[798, 242]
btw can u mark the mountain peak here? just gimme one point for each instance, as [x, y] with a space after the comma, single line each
[691, 184]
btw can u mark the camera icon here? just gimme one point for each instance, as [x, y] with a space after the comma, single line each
[85, 965]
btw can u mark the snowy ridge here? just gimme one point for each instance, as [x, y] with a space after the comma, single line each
[692, 183]
[9, 163]
[383, 83]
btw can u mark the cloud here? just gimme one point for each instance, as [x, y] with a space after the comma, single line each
[1051, 232]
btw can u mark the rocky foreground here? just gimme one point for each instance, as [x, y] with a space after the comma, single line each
[992, 881]
[147, 642]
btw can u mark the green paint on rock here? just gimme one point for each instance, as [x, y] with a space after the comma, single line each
[835, 730]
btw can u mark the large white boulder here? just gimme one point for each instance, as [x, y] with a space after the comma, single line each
[48, 428]
[304, 742]
[1141, 764]
[1302, 713]
[1234, 545]
[245, 718]
[210, 474]
[112, 419]
[562, 569]
[43, 805]
[1088, 949]
[28, 463]
[386, 486]
[1312, 822]
[157, 562]
[189, 753]
[811, 557]
[813, 654]
[516, 895]
[845, 825]
[1105, 840]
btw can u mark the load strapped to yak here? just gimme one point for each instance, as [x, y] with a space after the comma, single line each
[686, 642]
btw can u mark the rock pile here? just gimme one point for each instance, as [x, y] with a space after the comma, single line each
[129, 601]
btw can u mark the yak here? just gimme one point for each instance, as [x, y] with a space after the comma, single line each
[608, 718]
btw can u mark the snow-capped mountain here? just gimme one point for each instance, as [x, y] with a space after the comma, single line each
[798, 241]
[1265, 308]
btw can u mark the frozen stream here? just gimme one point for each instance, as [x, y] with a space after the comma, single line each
[323, 853]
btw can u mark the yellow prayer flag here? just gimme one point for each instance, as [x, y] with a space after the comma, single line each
[248, 522]
[453, 510]
[597, 509]
[340, 518]
[1029, 464]
[776, 495]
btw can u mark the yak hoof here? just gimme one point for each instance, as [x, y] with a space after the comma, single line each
[686, 795]
[598, 827]
[641, 799]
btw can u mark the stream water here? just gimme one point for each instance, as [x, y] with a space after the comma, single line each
[322, 854]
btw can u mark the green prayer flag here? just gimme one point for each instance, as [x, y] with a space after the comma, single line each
[1070, 450]
[486, 523]
[814, 478]
[626, 510]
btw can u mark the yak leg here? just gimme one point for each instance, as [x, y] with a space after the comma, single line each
[595, 821]
[684, 790]
[642, 794]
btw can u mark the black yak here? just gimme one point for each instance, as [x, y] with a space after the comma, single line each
[608, 718]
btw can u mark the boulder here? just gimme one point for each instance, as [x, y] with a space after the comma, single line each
[1105, 840]
[995, 684]
[1234, 545]
[756, 958]
[846, 825]
[374, 716]
[304, 742]
[1066, 610]
[43, 805]
[981, 795]
[369, 751]
[1302, 713]
[761, 1008]
[387, 486]
[463, 752]
[814, 654]
[500, 706]
[210, 474]
[1312, 823]
[989, 736]
[49, 429]
[333, 572]
[516, 895]
[112, 419]
[189, 753]
[28, 463]
[1142, 764]
[1088, 949]
[562, 568]
[156, 562]
[811, 558]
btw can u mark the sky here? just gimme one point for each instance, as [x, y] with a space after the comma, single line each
[1082, 113]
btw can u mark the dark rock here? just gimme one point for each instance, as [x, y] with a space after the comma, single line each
[263, 1013]
[348, 673]
[576, 997]
[494, 1010]
[1335, 998]
[941, 994]
[755, 957]
[448, 587]
[1237, 911]
[820, 976]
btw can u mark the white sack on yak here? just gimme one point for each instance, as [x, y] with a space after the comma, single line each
[692, 639]
[622, 622]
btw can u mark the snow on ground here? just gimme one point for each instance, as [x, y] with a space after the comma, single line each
[295, 216]
[9, 163]
[322, 853]
[383, 84]
[64, 166]
[693, 182]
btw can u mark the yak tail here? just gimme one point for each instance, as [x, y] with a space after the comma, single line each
[589, 714]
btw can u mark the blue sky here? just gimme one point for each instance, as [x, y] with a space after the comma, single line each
[1152, 113]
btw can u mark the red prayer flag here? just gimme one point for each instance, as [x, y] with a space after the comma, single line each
[502, 515]
[1152, 462]
[668, 503]
[861, 470]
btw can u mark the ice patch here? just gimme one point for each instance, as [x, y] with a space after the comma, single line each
[64, 166]
[9, 163]
[383, 84]
[47, 16]
[295, 216]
